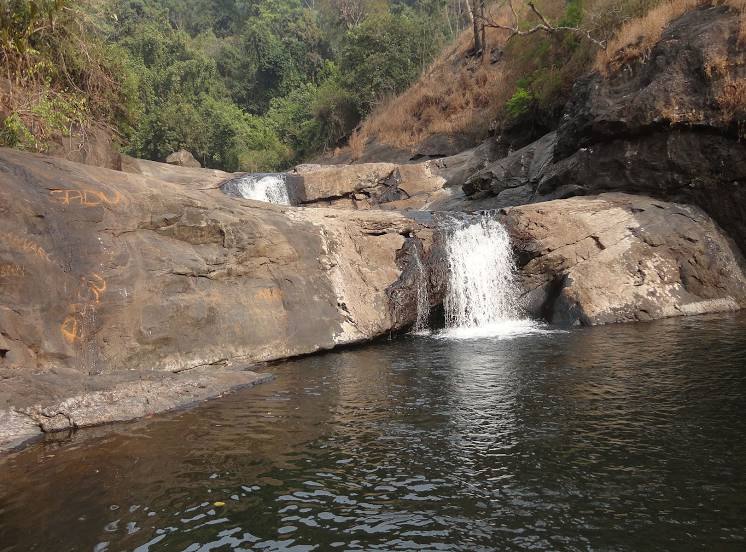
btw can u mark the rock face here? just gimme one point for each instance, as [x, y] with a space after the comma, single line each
[666, 126]
[190, 177]
[622, 258]
[364, 186]
[183, 158]
[106, 272]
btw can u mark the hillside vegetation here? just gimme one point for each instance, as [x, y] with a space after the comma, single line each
[263, 84]
[242, 85]
[518, 88]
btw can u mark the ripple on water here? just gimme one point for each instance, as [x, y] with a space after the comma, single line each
[624, 437]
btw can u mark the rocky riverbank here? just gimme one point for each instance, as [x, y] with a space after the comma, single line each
[107, 273]
[125, 293]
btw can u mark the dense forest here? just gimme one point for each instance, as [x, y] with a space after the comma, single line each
[242, 84]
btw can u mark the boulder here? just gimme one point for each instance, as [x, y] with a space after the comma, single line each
[108, 277]
[622, 258]
[183, 158]
[192, 177]
[364, 186]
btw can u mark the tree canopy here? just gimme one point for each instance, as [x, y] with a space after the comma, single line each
[242, 84]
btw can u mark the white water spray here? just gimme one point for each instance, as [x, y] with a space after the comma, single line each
[271, 188]
[482, 298]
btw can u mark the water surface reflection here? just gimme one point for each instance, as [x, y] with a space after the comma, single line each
[625, 437]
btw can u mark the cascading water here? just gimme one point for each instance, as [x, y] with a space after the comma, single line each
[482, 297]
[423, 299]
[271, 188]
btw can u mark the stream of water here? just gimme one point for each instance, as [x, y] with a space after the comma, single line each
[267, 187]
[626, 437]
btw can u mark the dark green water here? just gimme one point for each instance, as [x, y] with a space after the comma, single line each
[628, 437]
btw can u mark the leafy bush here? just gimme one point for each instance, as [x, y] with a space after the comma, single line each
[521, 103]
[15, 134]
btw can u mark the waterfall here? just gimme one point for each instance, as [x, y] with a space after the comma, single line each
[482, 297]
[423, 300]
[268, 187]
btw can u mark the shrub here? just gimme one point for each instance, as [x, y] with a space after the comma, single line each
[521, 103]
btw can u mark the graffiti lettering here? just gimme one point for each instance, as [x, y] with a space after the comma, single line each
[8, 270]
[96, 285]
[24, 245]
[86, 198]
[70, 328]
[92, 287]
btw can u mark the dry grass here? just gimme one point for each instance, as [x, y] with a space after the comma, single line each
[456, 95]
[464, 96]
[731, 97]
[356, 143]
[636, 38]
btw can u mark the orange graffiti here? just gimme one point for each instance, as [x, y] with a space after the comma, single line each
[70, 328]
[90, 291]
[86, 198]
[96, 285]
[24, 245]
[11, 269]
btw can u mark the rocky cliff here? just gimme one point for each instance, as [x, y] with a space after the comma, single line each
[669, 125]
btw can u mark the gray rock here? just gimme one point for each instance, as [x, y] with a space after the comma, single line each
[622, 258]
[653, 126]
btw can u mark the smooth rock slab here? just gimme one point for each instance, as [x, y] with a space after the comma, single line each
[104, 272]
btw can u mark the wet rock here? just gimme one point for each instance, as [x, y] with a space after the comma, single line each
[622, 258]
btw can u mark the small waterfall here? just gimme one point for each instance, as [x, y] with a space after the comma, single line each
[268, 187]
[482, 297]
[423, 300]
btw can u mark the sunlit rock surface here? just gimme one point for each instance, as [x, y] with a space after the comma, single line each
[622, 258]
[108, 274]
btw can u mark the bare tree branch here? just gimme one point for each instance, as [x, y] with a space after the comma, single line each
[544, 26]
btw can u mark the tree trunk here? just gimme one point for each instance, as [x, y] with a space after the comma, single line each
[481, 23]
[475, 25]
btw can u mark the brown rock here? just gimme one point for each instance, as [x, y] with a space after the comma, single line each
[183, 158]
[105, 272]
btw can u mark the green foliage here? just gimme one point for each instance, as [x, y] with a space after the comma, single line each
[249, 84]
[15, 134]
[382, 56]
[61, 76]
[52, 114]
[573, 14]
[521, 103]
